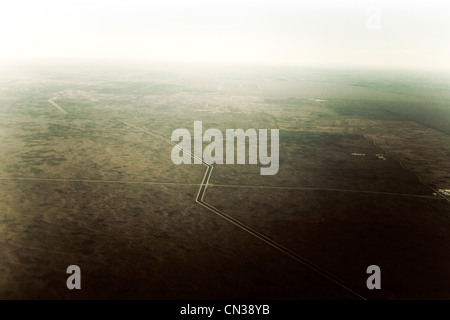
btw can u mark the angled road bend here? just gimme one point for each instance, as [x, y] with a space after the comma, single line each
[199, 199]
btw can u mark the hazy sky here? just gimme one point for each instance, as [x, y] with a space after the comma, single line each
[321, 33]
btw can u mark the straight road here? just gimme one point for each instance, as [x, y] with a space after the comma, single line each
[53, 103]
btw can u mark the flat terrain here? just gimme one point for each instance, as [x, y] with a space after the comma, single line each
[86, 178]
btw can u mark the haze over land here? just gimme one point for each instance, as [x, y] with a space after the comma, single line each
[91, 91]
